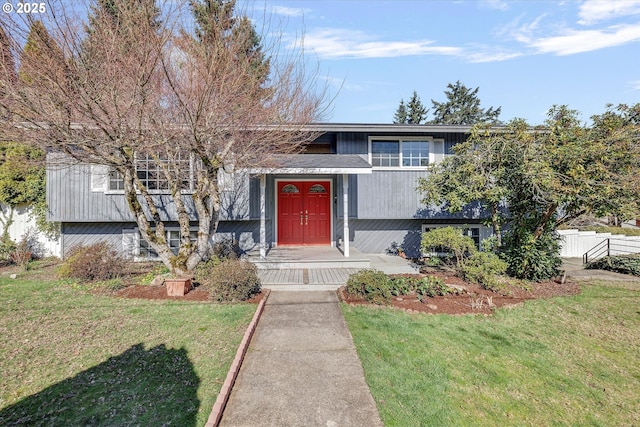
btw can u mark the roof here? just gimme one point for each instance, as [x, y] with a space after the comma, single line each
[315, 164]
[381, 127]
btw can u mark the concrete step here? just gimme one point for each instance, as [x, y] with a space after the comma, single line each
[268, 264]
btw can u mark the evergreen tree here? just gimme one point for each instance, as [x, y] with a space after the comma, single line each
[401, 114]
[121, 18]
[7, 62]
[416, 111]
[462, 107]
[38, 52]
[411, 113]
[217, 28]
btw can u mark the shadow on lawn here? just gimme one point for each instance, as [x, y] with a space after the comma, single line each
[138, 387]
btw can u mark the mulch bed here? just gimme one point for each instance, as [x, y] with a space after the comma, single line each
[475, 300]
[160, 293]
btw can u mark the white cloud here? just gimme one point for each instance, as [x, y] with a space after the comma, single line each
[496, 4]
[490, 55]
[635, 85]
[289, 11]
[574, 41]
[339, 43]
[592, 11]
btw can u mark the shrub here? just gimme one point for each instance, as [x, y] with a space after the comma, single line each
[430, 286]
[482, 268]
[448, 239]
[529, 258]
[625, 264]
[229, 280]
[96, 262]
[7, 248]
[373, 285]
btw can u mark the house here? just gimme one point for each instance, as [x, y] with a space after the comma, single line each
[353, 186]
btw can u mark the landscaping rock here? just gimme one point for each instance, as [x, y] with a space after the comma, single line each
[13, 276]
[432, 306]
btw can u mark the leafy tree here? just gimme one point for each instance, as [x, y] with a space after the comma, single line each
[545, 177]
[22, 181]
[169, 93]
[462, 107]
[413, 113]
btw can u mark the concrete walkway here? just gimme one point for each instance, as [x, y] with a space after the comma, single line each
[575, 270]
[301, 368]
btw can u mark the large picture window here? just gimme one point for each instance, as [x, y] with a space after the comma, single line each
[400, 153]
[152, 176]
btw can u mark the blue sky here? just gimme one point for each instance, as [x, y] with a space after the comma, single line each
[525, 56]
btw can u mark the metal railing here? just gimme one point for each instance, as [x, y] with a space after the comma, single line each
[610, 247]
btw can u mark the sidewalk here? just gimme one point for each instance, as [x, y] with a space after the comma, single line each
[301, 368]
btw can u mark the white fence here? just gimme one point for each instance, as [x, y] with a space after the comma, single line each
[574, 243]
[22, 223]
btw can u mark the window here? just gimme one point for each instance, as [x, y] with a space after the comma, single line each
[173, 238]
[401, 152]
[473, 232]
[385, 153]
[317, 188]
[152, 175]
[290, 188]
[415, 153]
[116, 181]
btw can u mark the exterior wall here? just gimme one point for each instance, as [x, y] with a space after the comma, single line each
[376, 236]
[89, 233]
[384, 207]
[22, 223]
[79, 193]
[392, 194]
[122, 236]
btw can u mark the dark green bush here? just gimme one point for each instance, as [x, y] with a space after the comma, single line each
[529, 258]
[625, 264]
[230, 280]
[482, 268]
[371, 284]
[430, 286]
[96, 262]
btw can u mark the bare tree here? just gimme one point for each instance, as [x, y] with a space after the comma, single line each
[136, 85]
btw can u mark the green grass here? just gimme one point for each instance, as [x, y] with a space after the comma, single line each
[68, 357]
[565, 361]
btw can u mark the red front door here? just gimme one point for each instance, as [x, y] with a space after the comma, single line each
[304, 213]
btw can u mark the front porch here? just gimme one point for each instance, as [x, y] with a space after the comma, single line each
[320, 267]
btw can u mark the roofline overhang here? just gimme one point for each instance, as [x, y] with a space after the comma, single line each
[310, 171]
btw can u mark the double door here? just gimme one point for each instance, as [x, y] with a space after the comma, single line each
[304, 213]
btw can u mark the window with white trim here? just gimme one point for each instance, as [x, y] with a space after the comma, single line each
[473, 232]
[152, 175]
[390, 152]
[145, 251]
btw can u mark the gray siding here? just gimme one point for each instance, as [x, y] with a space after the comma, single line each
[121, 235]
[389, 194]
[73, 196]
[88, 234]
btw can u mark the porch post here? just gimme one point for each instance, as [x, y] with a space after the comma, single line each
[345, 214]
[263, 216]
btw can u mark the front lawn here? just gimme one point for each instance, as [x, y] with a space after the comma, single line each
[563, 361]
[68, 357]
